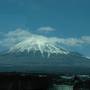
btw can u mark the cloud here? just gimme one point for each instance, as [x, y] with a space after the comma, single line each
[46, 29]
[14, 37]
[86, 39]
[88, 57]
[72, 41]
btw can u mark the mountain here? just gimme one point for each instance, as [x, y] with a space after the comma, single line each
[40, 55]
[35, 62]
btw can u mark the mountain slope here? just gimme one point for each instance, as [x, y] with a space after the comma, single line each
[40, 54]
[38, 43]
[35, 62]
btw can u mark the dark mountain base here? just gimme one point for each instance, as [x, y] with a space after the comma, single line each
[20, 81]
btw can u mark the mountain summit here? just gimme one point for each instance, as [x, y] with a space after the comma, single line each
[38, 43]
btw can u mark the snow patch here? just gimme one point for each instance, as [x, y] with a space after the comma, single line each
[38, 43]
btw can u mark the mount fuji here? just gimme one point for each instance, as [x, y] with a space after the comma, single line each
[43, 55]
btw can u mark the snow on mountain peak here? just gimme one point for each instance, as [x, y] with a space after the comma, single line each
[38, 43]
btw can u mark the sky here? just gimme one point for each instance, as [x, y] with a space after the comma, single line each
[66, 19]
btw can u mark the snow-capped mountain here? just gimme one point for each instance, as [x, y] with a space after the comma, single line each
[41, 54]
[38, 43]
